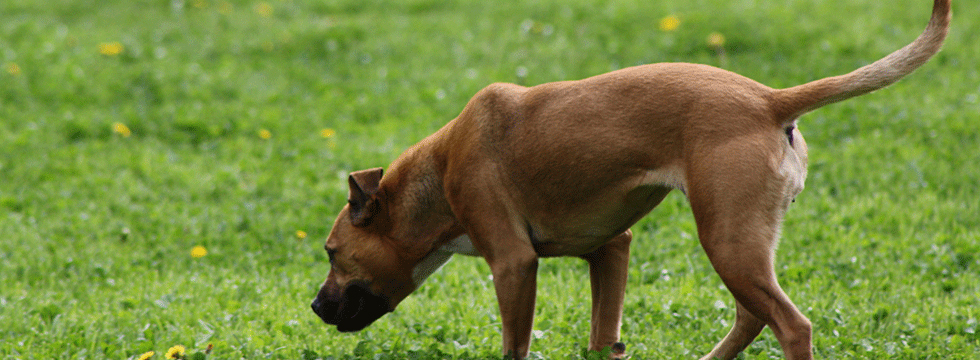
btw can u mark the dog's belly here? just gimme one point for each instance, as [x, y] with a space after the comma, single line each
[577, 228]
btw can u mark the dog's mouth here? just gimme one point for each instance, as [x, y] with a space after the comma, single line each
[357, 308]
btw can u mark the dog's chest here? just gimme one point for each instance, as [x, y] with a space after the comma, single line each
[460, 245]
[439, 257]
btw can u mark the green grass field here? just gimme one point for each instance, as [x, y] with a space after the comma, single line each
[133, 131]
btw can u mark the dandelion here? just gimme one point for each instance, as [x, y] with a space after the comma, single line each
[265, 134]
[263, 9]
[110, 48]
[121, 129]
[198, 252]
[300, 234]
[13, 69]
[146, 355]
[716, 40]
[176, 352]
[327, 133]
[669, 23]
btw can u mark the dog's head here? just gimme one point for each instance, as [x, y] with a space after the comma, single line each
[368, 277]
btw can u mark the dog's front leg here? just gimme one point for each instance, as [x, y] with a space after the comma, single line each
[608, 267]
[515, 279]
[483, 207]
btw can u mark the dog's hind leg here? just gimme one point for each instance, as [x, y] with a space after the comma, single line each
[608, 267]
[761, 295]
[739, 192]
[745, 330]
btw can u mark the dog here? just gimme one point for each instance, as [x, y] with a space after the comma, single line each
[565, 168]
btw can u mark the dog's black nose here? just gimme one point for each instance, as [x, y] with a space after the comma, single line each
[326, 310]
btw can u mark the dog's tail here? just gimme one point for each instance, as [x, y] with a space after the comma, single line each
[795, 101]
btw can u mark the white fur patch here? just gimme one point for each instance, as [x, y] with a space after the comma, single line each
[794, 169]
[439, 257]
[461, 245]
[670, 176]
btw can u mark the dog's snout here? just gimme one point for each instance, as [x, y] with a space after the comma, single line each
[327, 302]
[352, 309]
[326, 310]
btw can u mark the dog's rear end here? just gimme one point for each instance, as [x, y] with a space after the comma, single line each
[740, 239]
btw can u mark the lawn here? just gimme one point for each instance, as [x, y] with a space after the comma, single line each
[133, 132]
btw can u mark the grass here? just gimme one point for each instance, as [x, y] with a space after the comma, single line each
[203, 124]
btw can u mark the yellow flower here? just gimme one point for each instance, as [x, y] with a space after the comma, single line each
[176, 352]
[121, 129]
[198, 252]
[13, 69]
[300, 234]
[669, 23]
[263, 9]
[110, 48]
[327, 133]
[265, 134]
[716, 39]
[146, 355]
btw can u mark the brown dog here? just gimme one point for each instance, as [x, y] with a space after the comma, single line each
[565, 168]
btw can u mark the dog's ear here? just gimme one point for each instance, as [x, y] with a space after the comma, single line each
[363, 198]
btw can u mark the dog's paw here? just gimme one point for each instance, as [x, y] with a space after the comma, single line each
[618, 352]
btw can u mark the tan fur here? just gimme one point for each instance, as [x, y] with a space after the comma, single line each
[565, 168]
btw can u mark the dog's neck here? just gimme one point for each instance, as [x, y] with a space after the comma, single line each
[415, 196]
